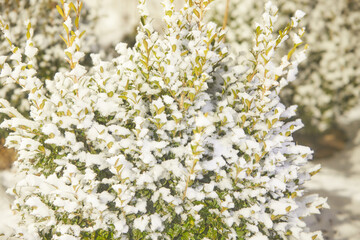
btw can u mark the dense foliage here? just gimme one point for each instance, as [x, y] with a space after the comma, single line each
[170, 139]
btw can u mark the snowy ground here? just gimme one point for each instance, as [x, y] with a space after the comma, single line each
[339, 180]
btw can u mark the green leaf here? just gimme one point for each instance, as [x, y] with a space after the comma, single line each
[196, 12]
[82, 34]
[63, 39]
[68, 55]
[60, 10]
[66, 28]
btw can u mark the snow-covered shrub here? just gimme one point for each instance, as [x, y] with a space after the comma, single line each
[168, 140]
[328, 85]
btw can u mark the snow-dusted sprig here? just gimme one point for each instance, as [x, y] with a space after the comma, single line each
[271, 168]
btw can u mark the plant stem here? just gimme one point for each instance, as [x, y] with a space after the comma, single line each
[226, 14]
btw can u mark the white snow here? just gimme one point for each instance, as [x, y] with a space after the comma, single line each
[30, 51]
[299, 14]
[141, 223]
[339, 180]
[2, 59]
[297, 39]
[6, 70]
[156, 223]
[167, 99]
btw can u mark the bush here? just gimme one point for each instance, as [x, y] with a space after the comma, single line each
[168, 140]
[328, 83]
